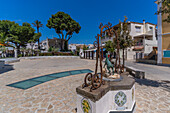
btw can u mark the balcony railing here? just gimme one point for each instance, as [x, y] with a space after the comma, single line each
[139, 44]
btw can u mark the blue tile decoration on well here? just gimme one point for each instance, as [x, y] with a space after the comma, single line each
[120, 98]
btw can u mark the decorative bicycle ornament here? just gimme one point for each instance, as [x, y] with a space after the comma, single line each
[96, 80]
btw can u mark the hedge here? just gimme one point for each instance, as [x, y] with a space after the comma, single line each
[56, 54]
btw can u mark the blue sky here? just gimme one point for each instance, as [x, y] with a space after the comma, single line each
[89, 13]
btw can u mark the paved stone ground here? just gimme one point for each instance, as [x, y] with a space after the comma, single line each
[152, 93]
[152, 97]
[152, 71]
[59, 95]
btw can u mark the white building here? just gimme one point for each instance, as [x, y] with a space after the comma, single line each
[72, 47]
[90, 46]
[144, 34]
[44, 45]
[33, 46]
[53, 43]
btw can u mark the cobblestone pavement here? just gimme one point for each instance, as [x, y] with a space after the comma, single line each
[59, 95]
[152, 71]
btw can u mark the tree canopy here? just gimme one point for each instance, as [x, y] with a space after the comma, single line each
[64, 26]
[125, 40]
[110, 46]
[37, 24]
[85, 47]
[21, 35]
[17, 34]
[165, 9]
[5, 26]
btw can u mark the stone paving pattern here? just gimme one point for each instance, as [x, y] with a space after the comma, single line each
[59, 95]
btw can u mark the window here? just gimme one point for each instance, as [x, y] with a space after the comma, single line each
[150, 28]
[138, 29]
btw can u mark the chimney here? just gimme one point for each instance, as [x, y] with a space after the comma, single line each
[144, 26]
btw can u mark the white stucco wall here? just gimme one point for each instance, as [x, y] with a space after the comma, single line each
[131, 55]
[149, 44]
[133, 30]
[107, 102]
[106, 39]
[72, 47]
[32, 46]
[44, 45]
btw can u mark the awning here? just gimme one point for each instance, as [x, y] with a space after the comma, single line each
[91, 50]
[2, 44]
[142, 35]
[138, 47]
[6, 45]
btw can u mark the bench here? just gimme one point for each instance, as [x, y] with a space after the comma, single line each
[137, 73]
[2, 64]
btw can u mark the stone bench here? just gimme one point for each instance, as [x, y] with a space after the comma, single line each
[2, 64]
[137, 73]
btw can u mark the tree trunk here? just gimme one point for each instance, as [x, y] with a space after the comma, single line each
[38, 47]
[32, 50]
[66, 45]
[123, 58]
[38, 43]
[61, 46]
[38, 39]
[17, 50]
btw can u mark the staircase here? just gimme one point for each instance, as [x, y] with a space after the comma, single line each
[152, 55]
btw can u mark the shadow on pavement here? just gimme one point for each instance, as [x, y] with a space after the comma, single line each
[165, 84]
[6, 68]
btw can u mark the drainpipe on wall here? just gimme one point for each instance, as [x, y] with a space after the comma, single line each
[159, 34]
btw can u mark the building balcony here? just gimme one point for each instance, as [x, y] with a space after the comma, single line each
[139, 44]
[150, 32]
